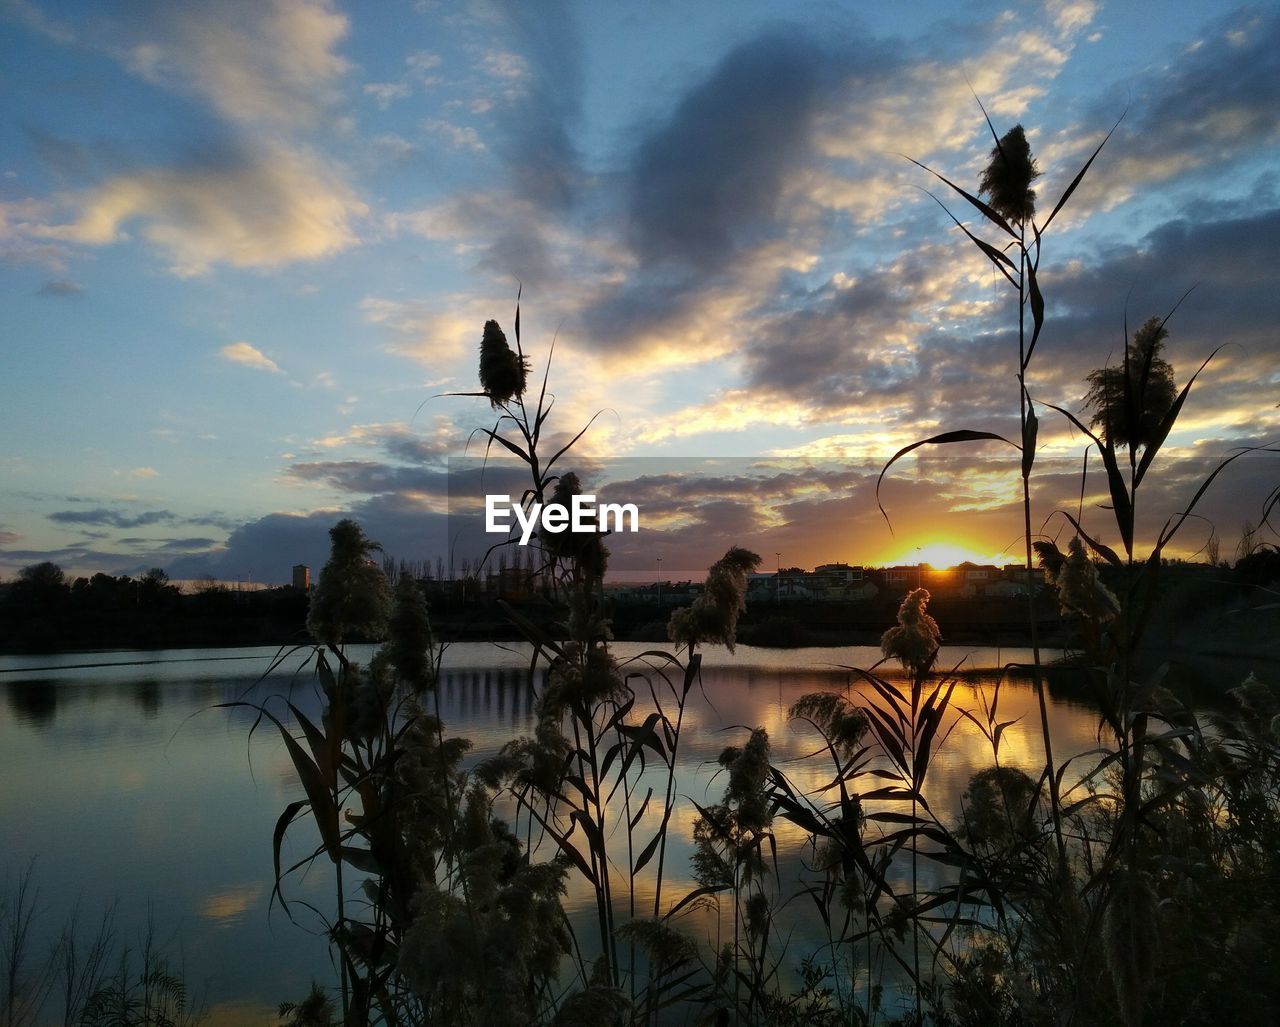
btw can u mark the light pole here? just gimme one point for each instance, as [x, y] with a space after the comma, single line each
[659, 586]
[777, 580]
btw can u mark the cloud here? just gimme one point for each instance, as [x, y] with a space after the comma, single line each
[249, 356]
[106, 517]
[779, 165]
[710, 179]
[144, 472]
[268, 547]
[373, 477]
[1209, 107]
[913, 345]
[28, 14]
[60, 287]
[254, 196]
[255, 209]
[1072, 16]
[257, 62]
[386, 93]
[435, 332]
[23, 239]
[113, 518]
[416, 463]
[539, 68]
[188, 544]
[456, 137]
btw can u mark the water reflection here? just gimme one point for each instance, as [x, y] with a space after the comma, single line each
[34, 703]
[147, 697]
[229, 906]
[129, 781]
[499, 701]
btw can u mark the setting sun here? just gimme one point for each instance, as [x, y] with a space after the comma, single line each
[941, 555]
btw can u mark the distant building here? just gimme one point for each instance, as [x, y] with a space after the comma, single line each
[513, 583]
[302, 577]
[840, 572]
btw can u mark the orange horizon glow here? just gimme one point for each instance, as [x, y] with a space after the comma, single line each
[945, 555]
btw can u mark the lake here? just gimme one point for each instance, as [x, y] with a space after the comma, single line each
[126, 784]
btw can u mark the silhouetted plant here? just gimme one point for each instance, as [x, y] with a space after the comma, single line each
[729, 857]
[1051, 899]
[316, 1010]
[713, 617]
[914, 640]
[503, 372]
[1149, 386]
[1006, 180]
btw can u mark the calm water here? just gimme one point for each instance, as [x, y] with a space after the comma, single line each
[127, 785]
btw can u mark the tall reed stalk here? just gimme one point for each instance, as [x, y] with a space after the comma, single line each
[1007, 182]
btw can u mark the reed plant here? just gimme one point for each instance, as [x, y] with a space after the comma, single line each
[1070, 897]
[83, 973]
[1108, 850]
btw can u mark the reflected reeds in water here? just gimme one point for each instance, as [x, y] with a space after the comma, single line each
[128, 783]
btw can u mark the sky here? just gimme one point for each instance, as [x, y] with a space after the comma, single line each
[247, 246]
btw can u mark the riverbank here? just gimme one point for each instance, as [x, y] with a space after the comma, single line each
[1218, 627]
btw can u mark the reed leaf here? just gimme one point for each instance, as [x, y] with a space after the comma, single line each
[946, 438]
[1167, 422]
[985, 209]
[1075, 182]
[1037, 309]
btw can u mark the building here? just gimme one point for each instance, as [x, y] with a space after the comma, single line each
[302, 577]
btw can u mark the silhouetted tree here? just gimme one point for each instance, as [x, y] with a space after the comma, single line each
[1260, 567]
[42, 584]
[352, 596]
[1248, 541]
[154, 588]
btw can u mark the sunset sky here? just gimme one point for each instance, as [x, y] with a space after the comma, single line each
[244, 243]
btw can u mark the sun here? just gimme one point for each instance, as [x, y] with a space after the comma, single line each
[941, 555]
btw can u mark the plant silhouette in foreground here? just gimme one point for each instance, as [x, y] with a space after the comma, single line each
[1073, 896]
[1146, 378]
[1010, 214]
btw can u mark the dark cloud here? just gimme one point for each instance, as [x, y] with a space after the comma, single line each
[833, 347]
[181, 545]
[371, 476]
[830, 350]
[709, 180]
[187, 544]
[691, 511]
[1214, 104]
[415, 450]
[708, 188]
[105, 517]
[267, 548]
[538, 122]
[112, 518]
[60, 287]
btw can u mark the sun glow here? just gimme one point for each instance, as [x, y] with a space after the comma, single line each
[941, 555]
